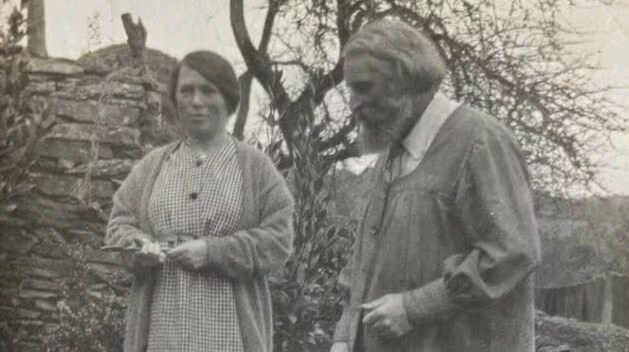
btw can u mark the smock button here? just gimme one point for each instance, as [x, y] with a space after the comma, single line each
[194, 195]
[199, 162]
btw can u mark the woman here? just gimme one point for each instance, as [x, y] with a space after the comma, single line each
[209, 216]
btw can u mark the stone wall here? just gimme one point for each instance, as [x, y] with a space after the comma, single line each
[105, 121]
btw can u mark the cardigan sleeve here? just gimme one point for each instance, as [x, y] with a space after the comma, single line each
[123, 228]
[261, 249]
[496, 211]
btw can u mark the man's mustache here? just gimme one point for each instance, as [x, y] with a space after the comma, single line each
[359, 116]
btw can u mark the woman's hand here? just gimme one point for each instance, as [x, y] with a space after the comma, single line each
[192, 255]
[149, 254]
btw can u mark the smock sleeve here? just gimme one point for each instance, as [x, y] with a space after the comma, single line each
[495, 207]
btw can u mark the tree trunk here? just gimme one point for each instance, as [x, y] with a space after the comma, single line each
[245, 81]
[136, 36]
[36, 27]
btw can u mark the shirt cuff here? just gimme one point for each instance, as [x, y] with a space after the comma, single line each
[430, 302]
[340, 337]
[342, 330]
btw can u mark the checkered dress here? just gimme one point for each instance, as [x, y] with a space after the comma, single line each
[195, 310]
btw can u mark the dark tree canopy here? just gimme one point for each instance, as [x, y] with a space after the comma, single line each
[514, 60]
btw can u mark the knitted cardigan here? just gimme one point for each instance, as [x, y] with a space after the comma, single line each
[261, 244]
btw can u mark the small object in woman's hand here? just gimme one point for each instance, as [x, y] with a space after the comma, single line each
[119, 249]
[150, 254]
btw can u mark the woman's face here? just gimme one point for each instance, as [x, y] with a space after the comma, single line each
[200, 104]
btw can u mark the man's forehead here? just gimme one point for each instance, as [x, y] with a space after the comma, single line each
[361, 65]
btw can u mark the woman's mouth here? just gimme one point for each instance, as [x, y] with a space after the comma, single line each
[198, 118]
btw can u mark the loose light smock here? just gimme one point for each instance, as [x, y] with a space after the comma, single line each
[457, 237]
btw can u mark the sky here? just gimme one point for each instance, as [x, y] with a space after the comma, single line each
[75, 27]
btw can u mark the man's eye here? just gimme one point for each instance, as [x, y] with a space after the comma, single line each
[186, 90]
[361, 87]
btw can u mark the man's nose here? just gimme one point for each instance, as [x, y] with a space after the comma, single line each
[355, 101]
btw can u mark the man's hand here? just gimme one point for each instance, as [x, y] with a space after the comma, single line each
[149, 254]
[386, 316]
[192, 255]
[339, 347]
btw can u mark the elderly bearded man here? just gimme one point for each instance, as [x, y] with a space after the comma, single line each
[445, 251]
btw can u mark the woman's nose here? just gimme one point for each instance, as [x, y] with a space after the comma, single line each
[197, 98]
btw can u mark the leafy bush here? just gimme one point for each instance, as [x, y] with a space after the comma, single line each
[90, 314]
[306, 300]
[24, 121]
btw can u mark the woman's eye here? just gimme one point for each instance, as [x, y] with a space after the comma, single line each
[208, 90]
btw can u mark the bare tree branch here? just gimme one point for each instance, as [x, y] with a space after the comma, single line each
[244, 81]
[257, 61]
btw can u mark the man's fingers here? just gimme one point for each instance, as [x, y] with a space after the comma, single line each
[379, 325]
[373, 304]
[383, 328]
[372, 317]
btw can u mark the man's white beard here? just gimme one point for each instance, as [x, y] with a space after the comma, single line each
[371, 139]
[376, 138]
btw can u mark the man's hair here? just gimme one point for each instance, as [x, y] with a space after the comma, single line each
[414, 58]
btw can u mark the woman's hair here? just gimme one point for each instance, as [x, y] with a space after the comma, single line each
[413, 58]
[215, 69]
